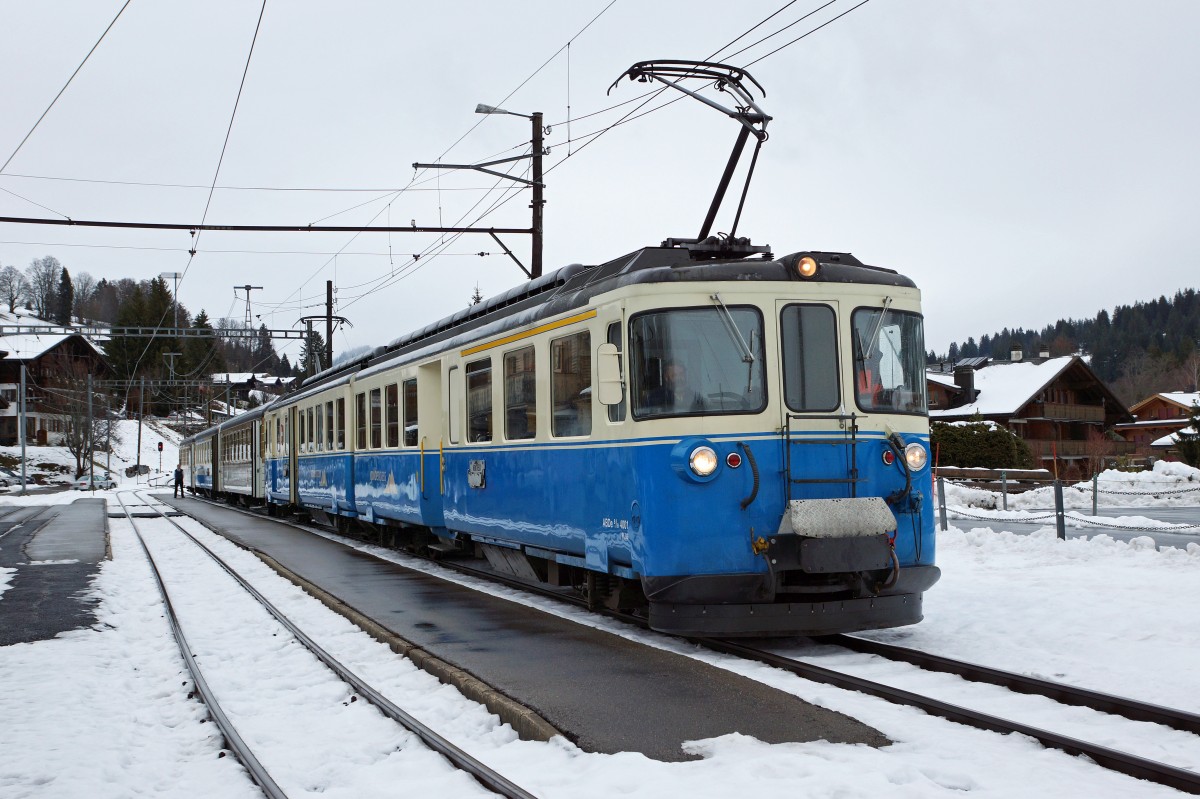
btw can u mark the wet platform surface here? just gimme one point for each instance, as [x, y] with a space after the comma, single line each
[606, 693]
[56, 551]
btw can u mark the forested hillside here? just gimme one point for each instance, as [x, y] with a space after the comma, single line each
[48, 290]
[1138, 350]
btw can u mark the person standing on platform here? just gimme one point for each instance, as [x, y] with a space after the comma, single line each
[178, 480]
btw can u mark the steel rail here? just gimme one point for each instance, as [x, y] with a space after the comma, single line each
[237, 745]
[1121, 762]
[1130, 765]
[1020, 683]
[484, 774]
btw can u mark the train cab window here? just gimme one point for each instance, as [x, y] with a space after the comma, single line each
[340, 407]
[410, 413]
[616, 413]
[697, 361]
[520, 395]
[571, 385]
[889, 361]
[479, 400]
[392, 395]
[360, 421]
[329, 426]
[376, 418]
[808, 334]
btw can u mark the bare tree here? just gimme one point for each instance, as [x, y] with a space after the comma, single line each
[66, 396]
[85, 287]
[12, 287]
[43, 277]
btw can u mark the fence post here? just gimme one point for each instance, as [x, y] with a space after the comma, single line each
[1004, 488]
[941, 488]
[1059, 521]
[1095, 491]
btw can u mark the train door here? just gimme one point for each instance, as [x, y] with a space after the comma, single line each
[291, 473]
[819, 431]
[431, 438]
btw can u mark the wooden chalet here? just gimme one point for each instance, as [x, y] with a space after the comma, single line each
[1058, 406]
[56, 370]
[1156, 419]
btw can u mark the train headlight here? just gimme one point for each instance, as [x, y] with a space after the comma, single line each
[703, 461]
[806, 266]
[916, 456]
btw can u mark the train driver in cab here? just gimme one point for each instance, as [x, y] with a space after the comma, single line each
[677, 394]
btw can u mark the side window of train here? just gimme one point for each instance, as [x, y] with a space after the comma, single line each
[319, 437]
[299, 432]
[571, 385]
[616, 413]
[520, 395]
[410, 413]
[341, 422]
[308, 428]
[479, 400]
[376, 418]
[393, 415]
[360, 421]
[329, 426]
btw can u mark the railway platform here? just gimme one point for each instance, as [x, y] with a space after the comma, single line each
[56, 550]
[604, 692]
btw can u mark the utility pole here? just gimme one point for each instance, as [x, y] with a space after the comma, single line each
[141, 415]
[91, 448]
[535, 260]
[21, 432]
[328, 323]
[246, 288]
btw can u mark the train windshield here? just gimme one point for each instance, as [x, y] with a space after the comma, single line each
[696, 361]
[889, 361]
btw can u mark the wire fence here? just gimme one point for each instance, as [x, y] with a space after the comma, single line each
[1060, 516]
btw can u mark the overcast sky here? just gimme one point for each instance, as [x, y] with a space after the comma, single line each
[1021, 160]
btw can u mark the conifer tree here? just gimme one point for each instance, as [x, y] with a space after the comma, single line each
[1187, 441]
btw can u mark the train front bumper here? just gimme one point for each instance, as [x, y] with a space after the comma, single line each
[831, 568]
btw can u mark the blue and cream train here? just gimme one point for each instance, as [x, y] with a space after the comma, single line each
[734, 445]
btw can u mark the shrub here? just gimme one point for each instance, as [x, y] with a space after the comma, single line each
[978, 443]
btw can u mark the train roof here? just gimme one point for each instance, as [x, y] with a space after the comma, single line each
[574, 286]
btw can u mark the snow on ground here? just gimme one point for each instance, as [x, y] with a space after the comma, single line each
[103, 712]
[1167, 485]
[57, 464]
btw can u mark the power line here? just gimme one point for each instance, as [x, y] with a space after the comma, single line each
[65, 85]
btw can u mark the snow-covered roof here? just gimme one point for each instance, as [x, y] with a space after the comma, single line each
[1003, 388]
[941, 378]
[1172, 439]
[27, 346]
[246, 377]
[1185, 398]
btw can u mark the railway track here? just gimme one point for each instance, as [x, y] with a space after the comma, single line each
[463, 761]
[1122, 762]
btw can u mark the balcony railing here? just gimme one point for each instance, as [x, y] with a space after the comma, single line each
[1068, 412]
[1045, 448]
